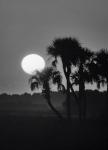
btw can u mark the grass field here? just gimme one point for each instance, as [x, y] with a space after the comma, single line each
[49, 132]
[30, 124]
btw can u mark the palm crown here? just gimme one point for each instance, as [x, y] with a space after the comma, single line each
[45, 78]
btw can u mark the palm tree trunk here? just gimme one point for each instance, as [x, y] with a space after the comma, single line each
[77, 100]
[82, 100]
[68, 99]
[68, 103]
[46, 92]
[48, 99]
[54, 110]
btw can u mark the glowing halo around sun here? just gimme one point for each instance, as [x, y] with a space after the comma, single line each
[32, 63]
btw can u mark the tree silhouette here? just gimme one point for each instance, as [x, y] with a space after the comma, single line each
[42, 80]
[102, 63]
[68, 50]
[83, 75]
[73, 55]
[97, 69]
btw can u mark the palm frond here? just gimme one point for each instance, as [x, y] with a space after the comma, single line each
[33, 79]
[34, 85]
[61, 88]
[56, 77]
[67, 48]
[75, 78]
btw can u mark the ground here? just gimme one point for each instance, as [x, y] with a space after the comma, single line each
[30, 132]
[28, 123]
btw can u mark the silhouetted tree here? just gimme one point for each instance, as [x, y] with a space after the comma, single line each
[83, 75]
[97, 68]
[98, 71]
[102, 70]
[68, 50]
[43, 81]
[72, 55]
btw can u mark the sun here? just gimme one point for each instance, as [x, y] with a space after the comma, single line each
[32, 63]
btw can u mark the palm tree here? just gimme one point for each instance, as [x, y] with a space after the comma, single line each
[98, 71]
[102, 63]
[72, 55]
[97, 68]
[68, 50]
[42, 80]
[83, 75]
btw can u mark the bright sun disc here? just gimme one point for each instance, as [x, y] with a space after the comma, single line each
[32, 63]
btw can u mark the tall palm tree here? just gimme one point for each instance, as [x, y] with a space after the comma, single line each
[73, 54]
[68, 50]
[42, 80]
[83, 75]
[102, 63]
[97, 70]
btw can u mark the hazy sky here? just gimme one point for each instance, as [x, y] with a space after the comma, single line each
[28, 26]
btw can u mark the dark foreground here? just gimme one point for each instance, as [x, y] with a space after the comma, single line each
[26, 132]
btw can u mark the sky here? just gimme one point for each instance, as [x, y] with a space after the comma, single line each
[29, 26]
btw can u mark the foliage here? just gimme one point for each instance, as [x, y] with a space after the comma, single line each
[90, 68]
[47, 76]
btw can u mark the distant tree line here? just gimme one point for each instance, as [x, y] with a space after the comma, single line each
[80, 66]
[19, 99]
